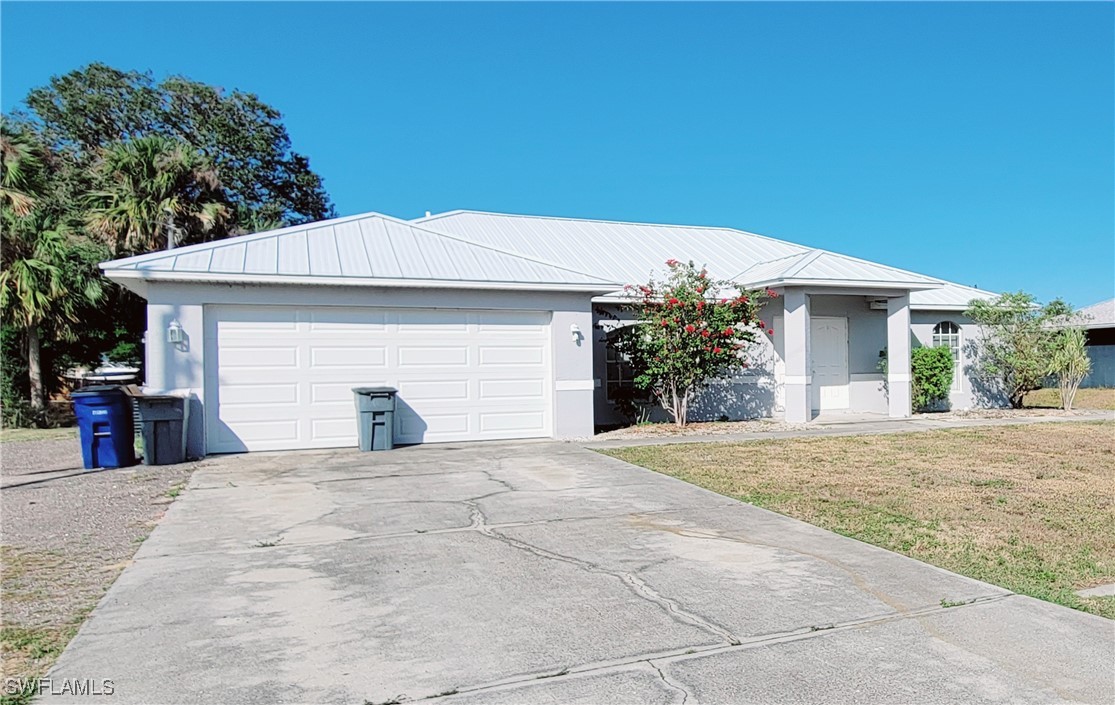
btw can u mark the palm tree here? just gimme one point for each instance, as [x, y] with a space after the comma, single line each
[34, 291]
[156, 192]
[21, 170]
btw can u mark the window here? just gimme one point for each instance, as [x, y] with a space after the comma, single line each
[947, 334]
[618, 374]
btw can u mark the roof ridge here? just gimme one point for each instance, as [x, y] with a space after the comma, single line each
[318, 225]
[502, 251]
[807, 260]
[249, 237]
[765, 262]
[723, 228]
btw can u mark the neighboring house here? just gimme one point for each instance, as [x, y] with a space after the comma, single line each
[492, 326]
[1098, 322]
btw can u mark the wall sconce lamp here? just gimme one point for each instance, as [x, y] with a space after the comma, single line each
[175, 334]
[575, 332]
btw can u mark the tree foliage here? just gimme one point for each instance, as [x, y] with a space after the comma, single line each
[84, 111]
[37, 296]
[1069, 362]
[1017, 341]
[687, 333]
[931, 371]
[155, 192]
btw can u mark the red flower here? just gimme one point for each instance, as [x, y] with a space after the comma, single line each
[723, 301]
[700, 305]
[770, 331]
[772, 293]
[728, 331]
[700, 290]
[716, 350]
[689, 328]
[673, 301]
[671, 263]
[704, 334]
[664, 323]
[762, 325]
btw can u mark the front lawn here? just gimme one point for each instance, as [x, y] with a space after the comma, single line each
[1029, 508]
[1097, 398]
[17, 435]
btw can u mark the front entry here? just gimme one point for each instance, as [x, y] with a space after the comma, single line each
[828, 344]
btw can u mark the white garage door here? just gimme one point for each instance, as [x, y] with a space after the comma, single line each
[283, 377]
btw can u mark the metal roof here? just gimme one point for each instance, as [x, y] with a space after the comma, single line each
[613, 250]
[950, 297]
[829, 268]
[1101, 315]
[365, 249]
[633, 251]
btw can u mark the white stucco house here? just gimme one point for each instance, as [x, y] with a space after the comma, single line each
[492, 326]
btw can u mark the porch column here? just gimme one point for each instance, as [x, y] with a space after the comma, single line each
[898, 356]
[795, 336]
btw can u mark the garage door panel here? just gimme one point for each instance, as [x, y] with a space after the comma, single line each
[445, 390]
[349, 357]
[259, 357]
[501, 356]
[511, 388]
[256, 394]
[285, 377]
[433, 356]
[510, 421]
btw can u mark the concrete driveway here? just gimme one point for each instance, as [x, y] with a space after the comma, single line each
[543, 572]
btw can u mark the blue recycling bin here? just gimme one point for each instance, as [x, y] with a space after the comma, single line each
[104, 419]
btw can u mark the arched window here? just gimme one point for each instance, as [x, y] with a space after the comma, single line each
[947, 334]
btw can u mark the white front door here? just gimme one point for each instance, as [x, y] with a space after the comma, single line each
[828, 345]
[281, 377]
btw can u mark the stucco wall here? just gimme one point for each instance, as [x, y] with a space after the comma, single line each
[974, 393]
[759, 392]
[183, 366]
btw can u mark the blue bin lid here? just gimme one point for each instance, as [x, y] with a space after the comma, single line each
[98, 390]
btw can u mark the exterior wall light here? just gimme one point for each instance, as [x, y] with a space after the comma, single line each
[175, 333]
[575, 332]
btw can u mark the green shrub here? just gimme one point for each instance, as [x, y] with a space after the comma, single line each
[931, 376]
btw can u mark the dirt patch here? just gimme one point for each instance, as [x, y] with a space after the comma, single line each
[705, 428]
[67, 533]
[1029, 508]
[1097, 398]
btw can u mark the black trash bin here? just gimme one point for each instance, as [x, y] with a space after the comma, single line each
[104, 418]
[164, 421]
[375, 417]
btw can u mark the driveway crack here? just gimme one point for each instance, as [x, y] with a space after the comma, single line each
[670, 684]
[635, 584]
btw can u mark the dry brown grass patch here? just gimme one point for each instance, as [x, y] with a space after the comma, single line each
[1030, 508]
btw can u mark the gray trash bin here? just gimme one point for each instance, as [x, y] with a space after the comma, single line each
[375, 417]
[163, 420]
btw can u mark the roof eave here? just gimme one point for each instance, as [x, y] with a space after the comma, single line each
[125, 276]
[841, 284]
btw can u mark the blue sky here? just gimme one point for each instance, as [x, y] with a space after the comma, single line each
[974, 142]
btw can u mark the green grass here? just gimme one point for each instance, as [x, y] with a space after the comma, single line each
[17, 435]
[1029, 508]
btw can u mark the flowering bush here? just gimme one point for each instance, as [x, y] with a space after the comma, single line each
[688, 333]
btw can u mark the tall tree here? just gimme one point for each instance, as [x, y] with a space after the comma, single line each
[84, 111]
[155, 192]
[35, 293]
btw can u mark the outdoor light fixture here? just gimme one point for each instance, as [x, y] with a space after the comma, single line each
[575, 331]
[175, 333]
